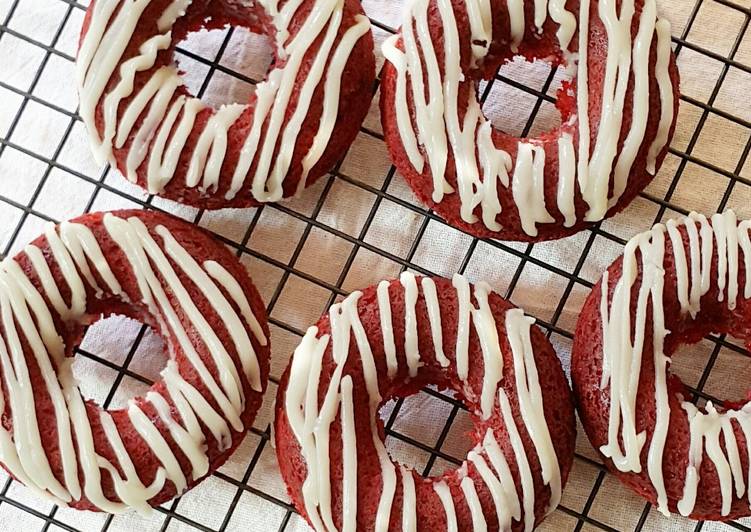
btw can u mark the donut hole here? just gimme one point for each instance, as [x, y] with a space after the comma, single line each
[723, 378]
[246, 57]
[702, 367]
[714, 369]
[538, 107]
[117, 359]
[422, 430]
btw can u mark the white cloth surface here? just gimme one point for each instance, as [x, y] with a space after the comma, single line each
[543, 288]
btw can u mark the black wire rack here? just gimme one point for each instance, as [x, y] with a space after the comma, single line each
[342, 216]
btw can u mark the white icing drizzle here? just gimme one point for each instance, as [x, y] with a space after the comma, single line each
[480, 17]
[100, 52]
[492, 356]
[621, 368]
[204, 164]
[301, 407]
[74, 250]
[139, 147]
[165, 155]
[82, 245]
[34, 467]
[411, 350]
[666, 93]
[124, 87]
[528, 187]
[462, 334]
[427, 113]
[399, 59]
[102, 49]
[475, 509]
[525, 473]
[617, 71]
[432, 91]
[141, 249]
[138, 104]
[387, 328]
[409, 501]
[566, 21]
[566, 179]
[331, 96]
[434, 315]
[232, 320]
[496, 164]
[706, 429]
[494, 486]
[191, 444]
[173, 12]
[640, 109]
[530, 400]
[130, 490]
[388, 471]
[156, 442]
[622, 356]
[498, 460]
[541, 13]
[311, 424]
[193, 406]
[516, 18]
[444, 494]
[582, 96]
[220, 274]
[349, 457]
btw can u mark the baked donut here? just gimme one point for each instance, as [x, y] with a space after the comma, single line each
[618, 113]
[673, 285]
[389, 341]
[297, 124]
[169, 275]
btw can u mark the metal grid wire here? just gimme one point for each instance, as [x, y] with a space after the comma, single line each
[286, 280]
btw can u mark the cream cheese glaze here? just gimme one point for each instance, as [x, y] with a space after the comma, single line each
[170, 116]
[24, 313]
[432, 90]
[311, 418]
[711, 434]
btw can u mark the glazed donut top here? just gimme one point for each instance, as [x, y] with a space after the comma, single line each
[313, 402]
[49, 291]
[159, 116]
[434, 59]
[711, 432]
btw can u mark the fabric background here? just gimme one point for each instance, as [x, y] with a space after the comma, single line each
[351, 230]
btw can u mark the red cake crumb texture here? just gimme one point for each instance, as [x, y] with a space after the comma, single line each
[148, 461]
[718, 310]
[562, 211]
[555, 412]
[184, 151]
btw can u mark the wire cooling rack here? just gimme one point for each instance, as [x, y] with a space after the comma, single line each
[354, 227]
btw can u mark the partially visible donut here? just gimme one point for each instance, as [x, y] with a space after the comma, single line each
[389, 341]
[169, 275]
[297, 124]
[618, 114]
[673, 285]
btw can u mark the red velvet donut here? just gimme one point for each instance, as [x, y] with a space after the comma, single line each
[169, 275]
[389, 341]
[618, 113]
[297, 124]
[673, 286]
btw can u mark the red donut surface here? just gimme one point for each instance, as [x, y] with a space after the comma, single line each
[674, 285]
[388, 341]
[298, 122]
[188, 287]
[618, 113]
